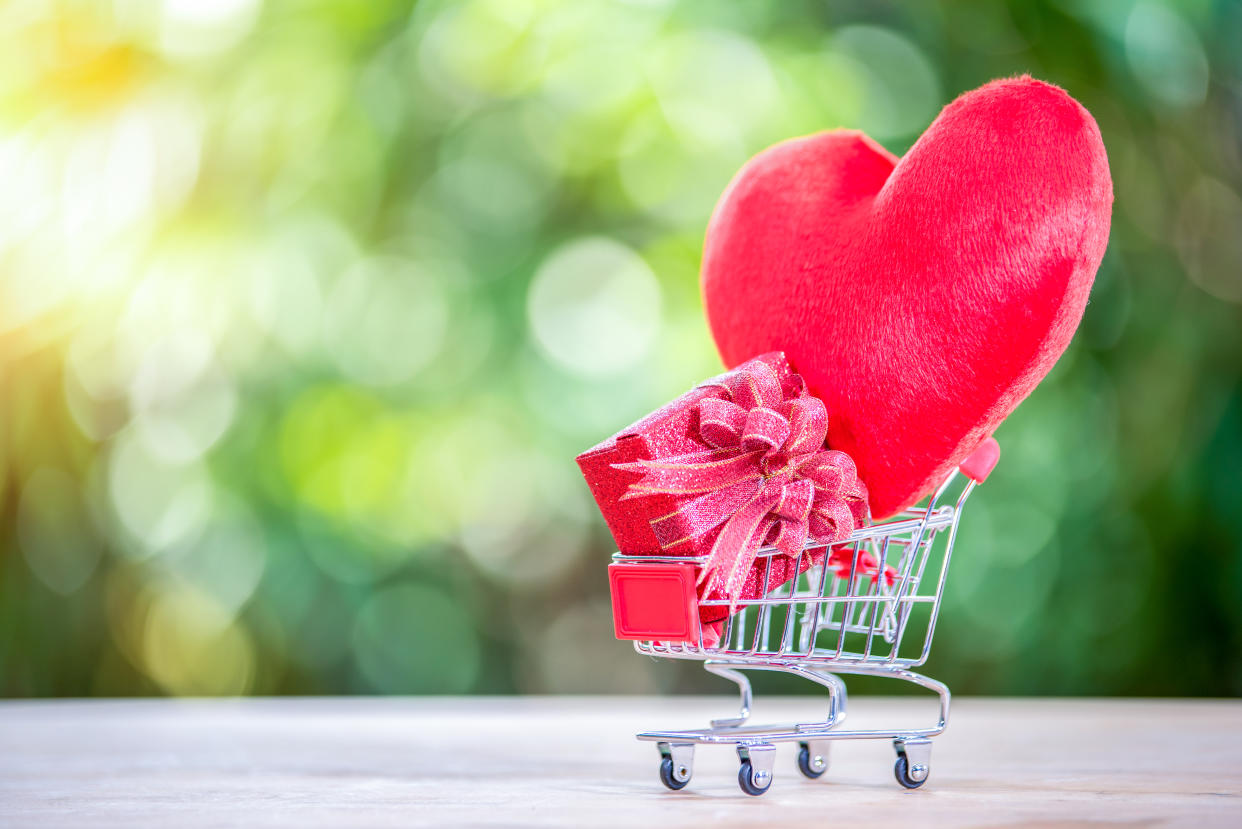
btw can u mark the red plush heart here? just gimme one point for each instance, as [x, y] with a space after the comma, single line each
[923, 298]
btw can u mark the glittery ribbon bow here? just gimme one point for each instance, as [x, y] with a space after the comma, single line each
[765, 476]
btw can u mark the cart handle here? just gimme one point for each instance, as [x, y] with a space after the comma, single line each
[979, 463]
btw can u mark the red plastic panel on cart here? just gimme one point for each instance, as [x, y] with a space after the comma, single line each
[654, 601]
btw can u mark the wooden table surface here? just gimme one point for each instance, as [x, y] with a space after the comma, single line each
[574, 762]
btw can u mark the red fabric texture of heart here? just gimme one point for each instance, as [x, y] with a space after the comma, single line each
[921, 298]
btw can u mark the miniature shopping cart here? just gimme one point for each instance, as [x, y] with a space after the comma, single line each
[851, 609]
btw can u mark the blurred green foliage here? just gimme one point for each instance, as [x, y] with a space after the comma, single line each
[306, 307]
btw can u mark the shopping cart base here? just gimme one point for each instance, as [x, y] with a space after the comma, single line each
[846, 610]
[756, 744]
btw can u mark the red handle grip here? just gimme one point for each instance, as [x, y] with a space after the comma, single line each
[979, 463]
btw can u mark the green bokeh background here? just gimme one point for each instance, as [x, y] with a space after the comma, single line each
[306, 307]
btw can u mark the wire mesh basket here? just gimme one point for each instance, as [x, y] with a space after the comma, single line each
[864, 605]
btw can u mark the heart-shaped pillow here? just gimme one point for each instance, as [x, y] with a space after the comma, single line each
[923, 298]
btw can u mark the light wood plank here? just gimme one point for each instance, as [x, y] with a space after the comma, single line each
[574, 762]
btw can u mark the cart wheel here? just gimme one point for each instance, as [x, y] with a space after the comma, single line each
[901, 770]
[746, 780]
[806, 763]
[669, 778]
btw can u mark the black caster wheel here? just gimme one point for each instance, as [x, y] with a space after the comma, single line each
[807, 767]
[668, 778]
[745, 780]
[901, 770]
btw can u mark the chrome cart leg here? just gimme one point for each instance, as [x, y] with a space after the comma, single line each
[676, 764]
[813, 758]
[743, 687]
[913, 761]
[930, 684]
[838, 698]
[758, 762]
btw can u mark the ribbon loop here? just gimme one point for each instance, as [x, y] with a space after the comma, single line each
[808, 425]
[765, 429]
[721, 422]
[754, 385]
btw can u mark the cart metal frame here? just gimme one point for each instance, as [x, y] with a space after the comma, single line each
[831, 619]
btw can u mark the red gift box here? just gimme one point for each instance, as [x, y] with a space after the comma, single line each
[735, 463]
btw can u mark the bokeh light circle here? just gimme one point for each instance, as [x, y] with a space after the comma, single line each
[594, 306]
[192, 646]
[384, 320]
[1209, 238]
[411, 638]
[158, 502]
[1165, 54]
[226, 560]
[183, 401]
[899, 87]
[54, 530]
